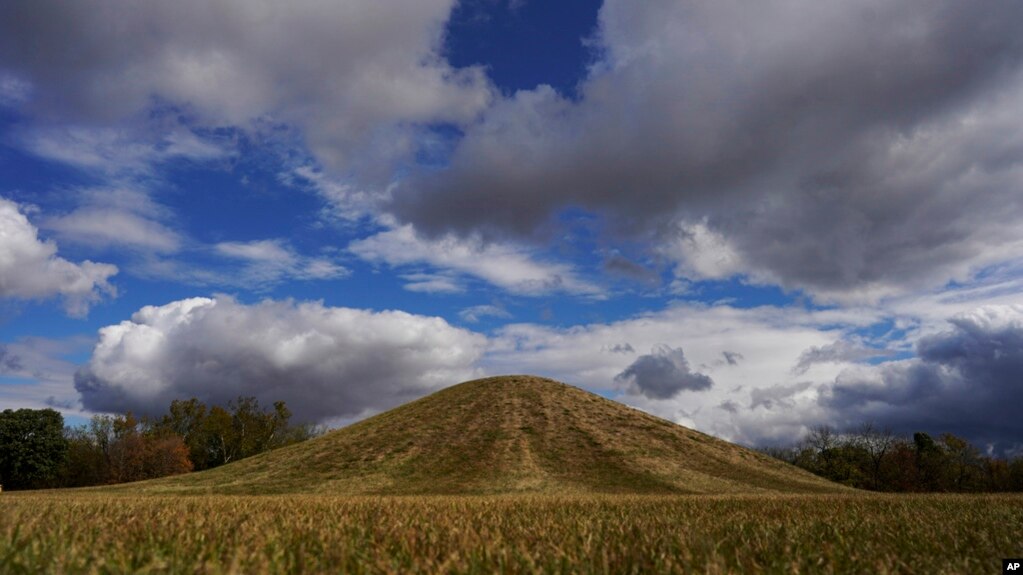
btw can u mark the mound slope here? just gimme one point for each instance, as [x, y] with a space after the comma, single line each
[505, 434]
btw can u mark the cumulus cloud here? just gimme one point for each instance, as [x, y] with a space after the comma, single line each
[325, 362]
[31, 269]
[856, 150]
[964, 380]
[503, 265]
[662, 374]
[357, 76]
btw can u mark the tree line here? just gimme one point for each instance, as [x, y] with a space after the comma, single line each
[879, 460]
[38, 451]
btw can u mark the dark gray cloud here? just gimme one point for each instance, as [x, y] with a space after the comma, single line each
[732, 357]
[9, 362]
[777, 395]
[662, 374]
[619, 348]
[729, 406]
[62, 404]
[325, 362]
[852, 149]
[837, 352]
[621, 266]
[966, 380]
[356, 76]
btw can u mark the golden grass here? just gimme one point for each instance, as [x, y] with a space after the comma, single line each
[505, 435]
[83, 532]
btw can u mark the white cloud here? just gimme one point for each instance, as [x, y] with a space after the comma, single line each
[346, 201]
[117, 217]
[477, 312]
[702, 253]
[101, 228]
[117, 152]
[325, 362]
[1000, 285]
[261, 251]
[31, 269]
[13, 90]
[503, 265]
[841, 351]
[270, 261]
[433, 283]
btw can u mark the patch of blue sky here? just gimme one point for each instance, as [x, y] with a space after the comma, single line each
[41, 318]
[72, 420]
[435, 146]
[740, 293]
[29, 179]
[225, 205]
[525, 43]
[15, 380]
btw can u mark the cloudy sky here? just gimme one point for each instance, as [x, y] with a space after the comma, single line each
[749, 218]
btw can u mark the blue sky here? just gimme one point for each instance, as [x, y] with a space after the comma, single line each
[747, 219]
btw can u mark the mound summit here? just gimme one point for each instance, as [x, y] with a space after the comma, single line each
[505, 435]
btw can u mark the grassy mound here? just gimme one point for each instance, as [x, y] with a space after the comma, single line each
[506, 434]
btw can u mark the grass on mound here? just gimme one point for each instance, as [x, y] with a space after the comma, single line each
[509, 434]
[75, 532]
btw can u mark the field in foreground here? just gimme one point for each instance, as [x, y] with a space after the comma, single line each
[64, 532]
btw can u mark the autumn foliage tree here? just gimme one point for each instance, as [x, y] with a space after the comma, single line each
[190, 436]
[873, 458]
[117, 449]
[217, 435]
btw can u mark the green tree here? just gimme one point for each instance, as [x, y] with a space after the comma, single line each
[32, 447]
[187, 419]
[256, 430]
[931, 463]
[964, 467]
[218, 435]
[86, 464]
[220, 432]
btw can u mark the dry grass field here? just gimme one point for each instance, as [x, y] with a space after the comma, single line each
[62, 532]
